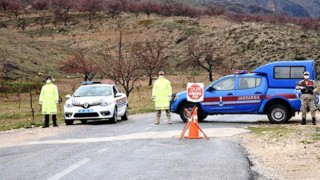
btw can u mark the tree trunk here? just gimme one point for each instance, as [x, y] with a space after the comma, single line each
[19, 99]
[150, 80]
[86, 76]
[65, 18]
[32, 110]
[210, 76]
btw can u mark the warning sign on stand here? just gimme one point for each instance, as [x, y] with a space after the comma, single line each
[195, 92]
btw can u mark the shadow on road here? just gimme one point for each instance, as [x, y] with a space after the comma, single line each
[96, 123]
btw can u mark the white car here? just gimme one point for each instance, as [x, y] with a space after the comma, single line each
[96, 101]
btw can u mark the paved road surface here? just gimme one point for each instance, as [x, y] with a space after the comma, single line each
[134, 149]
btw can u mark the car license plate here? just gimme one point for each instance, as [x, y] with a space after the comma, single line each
[85, 110]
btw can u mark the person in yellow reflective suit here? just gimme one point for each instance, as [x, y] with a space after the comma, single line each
[161, 95]
[48, 99]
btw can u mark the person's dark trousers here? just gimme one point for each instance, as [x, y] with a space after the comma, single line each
[54, 119]
[46, 120]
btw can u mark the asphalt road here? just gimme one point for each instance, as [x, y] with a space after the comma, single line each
[133, 149]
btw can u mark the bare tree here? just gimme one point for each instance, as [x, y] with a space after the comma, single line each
[146, 7]
[64, 5]
[122, 67]
[40, 5]
[78, 63]
[61, 16]
[124, 5]
[61, 9]
[114, 8]
[153, 55]
[178, 9]
[6, 69]
[168, 7]
[135, 8]
[43, 19]
[31, 105]
[212, 10]
[22, 23]
[91, 7]
[203, 56]
[15, 7]
[4, 4]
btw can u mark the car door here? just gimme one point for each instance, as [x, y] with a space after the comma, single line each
[249, 93]
[120, 99]
[219, 97]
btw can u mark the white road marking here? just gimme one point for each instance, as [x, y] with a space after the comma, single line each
[210, 132]
[70, 169]
[102, 150]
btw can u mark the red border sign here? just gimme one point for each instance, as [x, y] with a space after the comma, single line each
[195, 92]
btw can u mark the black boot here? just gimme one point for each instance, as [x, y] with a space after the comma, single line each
[314, 121]
[46, 121]
[303, 122]
[54, 120]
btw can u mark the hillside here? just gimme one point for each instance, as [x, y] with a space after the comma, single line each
[296, 8]
[27, 56]
[248, 45]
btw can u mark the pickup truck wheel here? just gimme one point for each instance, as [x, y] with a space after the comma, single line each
[202, 116]
[189, 106]
[278, 114]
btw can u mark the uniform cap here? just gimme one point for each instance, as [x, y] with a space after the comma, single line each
[161, 73]
[49, 77]
[306, 73]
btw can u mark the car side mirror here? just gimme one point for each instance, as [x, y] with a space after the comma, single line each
[68, 96]
[118, 95]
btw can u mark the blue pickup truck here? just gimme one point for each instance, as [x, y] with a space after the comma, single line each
[269, 89]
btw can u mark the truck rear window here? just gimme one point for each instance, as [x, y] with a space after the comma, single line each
[289, 72]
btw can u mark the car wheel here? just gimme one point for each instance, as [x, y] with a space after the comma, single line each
[202, 116]
[68, 122]
[84, 121]
[189, 106]
[278, 114]
[126, 114]
[114, 119]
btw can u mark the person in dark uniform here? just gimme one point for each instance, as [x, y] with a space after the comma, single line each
[308, 88]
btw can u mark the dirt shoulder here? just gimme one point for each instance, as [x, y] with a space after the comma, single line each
[289, 151]
[19, 136]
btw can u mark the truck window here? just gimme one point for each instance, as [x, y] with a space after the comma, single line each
[247, 83]
[289, 72]
[226, 84]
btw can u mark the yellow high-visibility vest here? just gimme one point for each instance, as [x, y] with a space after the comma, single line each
[49, 98]
[162, 92]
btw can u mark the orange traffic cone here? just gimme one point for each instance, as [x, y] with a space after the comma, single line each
[194, 129]
[194, 126]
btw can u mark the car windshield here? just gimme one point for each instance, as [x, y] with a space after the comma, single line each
[85, 91]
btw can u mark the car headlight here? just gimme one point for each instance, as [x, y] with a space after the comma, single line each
[105, 103]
